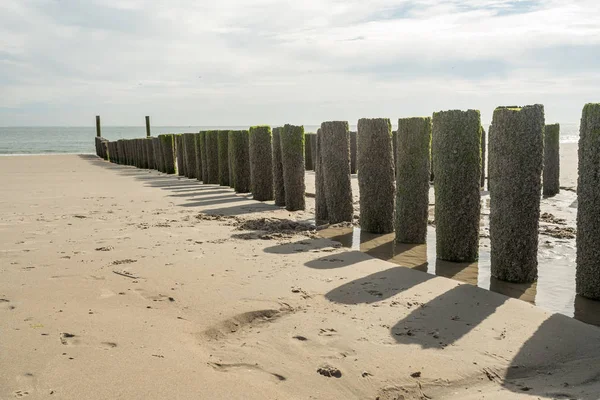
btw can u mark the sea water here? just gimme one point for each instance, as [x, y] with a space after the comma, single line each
[80, 140]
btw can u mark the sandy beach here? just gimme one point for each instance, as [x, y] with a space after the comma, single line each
[121, 283]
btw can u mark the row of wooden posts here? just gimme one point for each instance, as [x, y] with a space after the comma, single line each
[394, 173]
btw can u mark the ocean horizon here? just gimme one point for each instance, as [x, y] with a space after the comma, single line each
[33, 140]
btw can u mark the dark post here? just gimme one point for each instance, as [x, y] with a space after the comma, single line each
[147, 126]
[98, 129]
[292, 158]
[278, 183]
[261, 163]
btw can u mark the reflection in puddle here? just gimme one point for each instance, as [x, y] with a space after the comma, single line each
[554, 290]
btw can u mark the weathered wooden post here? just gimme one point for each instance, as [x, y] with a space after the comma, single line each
[278, 182]
[158, 154]
[353, 152]
[457, 170]
[412, 179]
[395, 147]
[201, 157]
[98, 128]
[147, 126]
[261, 163]
[150, 153]
[551, 180]
[189, 147]
[483, 151]
[167, 146]
[321, 214]
[588, 199]
[292, 157]
[308, 162]
[335, 157]
[375, 164]
[516, 156]
[241, 160]
[179, 148]
[230, 154]
[212, 157]
[313, 150]
[222, 144]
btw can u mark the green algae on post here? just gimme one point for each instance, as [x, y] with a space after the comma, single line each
[212, 157]
[335, 166]
[200, 155]
[189, 147]
[412, 179]
[308, 163]
[321, 215]
[261, 164]
[292, 156]
[516, 156]
[375, 164]
[551, 175]
[223, 142]
[240, 147]
[353, 152]
[179, 152]
[278, 182]
[167, 145]
[456, 152]
[587, 277]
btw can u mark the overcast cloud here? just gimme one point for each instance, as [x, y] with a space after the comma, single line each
[237, 62]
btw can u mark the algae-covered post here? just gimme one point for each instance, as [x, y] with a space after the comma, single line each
[241, 160]
[180, 162]
[457, 170]
[212, 157]
[144, 153]
[516, 156]
[335, 164]
[150, 153]
[223, 142]
[308, 162]
[278, 183]
[395, 146]
[199, 146]
[588, 194]
[147, 126]
[201, 160]
[353, 152]
[375, 163]
[189, 147]
[412, 179]
[551, 176]
[230, 159]
[261, 164]
[483, 151]
[313, 150]
[98, 128]
[321, 214]
[292, 156]
[167, 144]
[157, 154]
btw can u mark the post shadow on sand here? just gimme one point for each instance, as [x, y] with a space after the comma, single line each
[448, 317]
[561, 360]
[302, 246]
[378, 286]
[214, 200]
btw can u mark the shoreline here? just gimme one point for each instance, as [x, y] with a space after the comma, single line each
[117, 282]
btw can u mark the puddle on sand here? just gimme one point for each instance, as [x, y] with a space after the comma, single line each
[553, 291]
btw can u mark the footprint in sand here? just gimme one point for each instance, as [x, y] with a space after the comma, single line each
[224, 367]
[68, 339]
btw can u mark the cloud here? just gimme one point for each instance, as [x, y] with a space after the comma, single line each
[271, 61]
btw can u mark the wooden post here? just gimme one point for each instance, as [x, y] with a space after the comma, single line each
[98, 130]
[147, 126]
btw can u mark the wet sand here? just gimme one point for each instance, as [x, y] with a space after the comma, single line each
[118, 283]
[555, 288]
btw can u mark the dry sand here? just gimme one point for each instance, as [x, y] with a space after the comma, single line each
[116, 285]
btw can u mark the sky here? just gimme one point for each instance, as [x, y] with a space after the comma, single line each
[248, 62]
